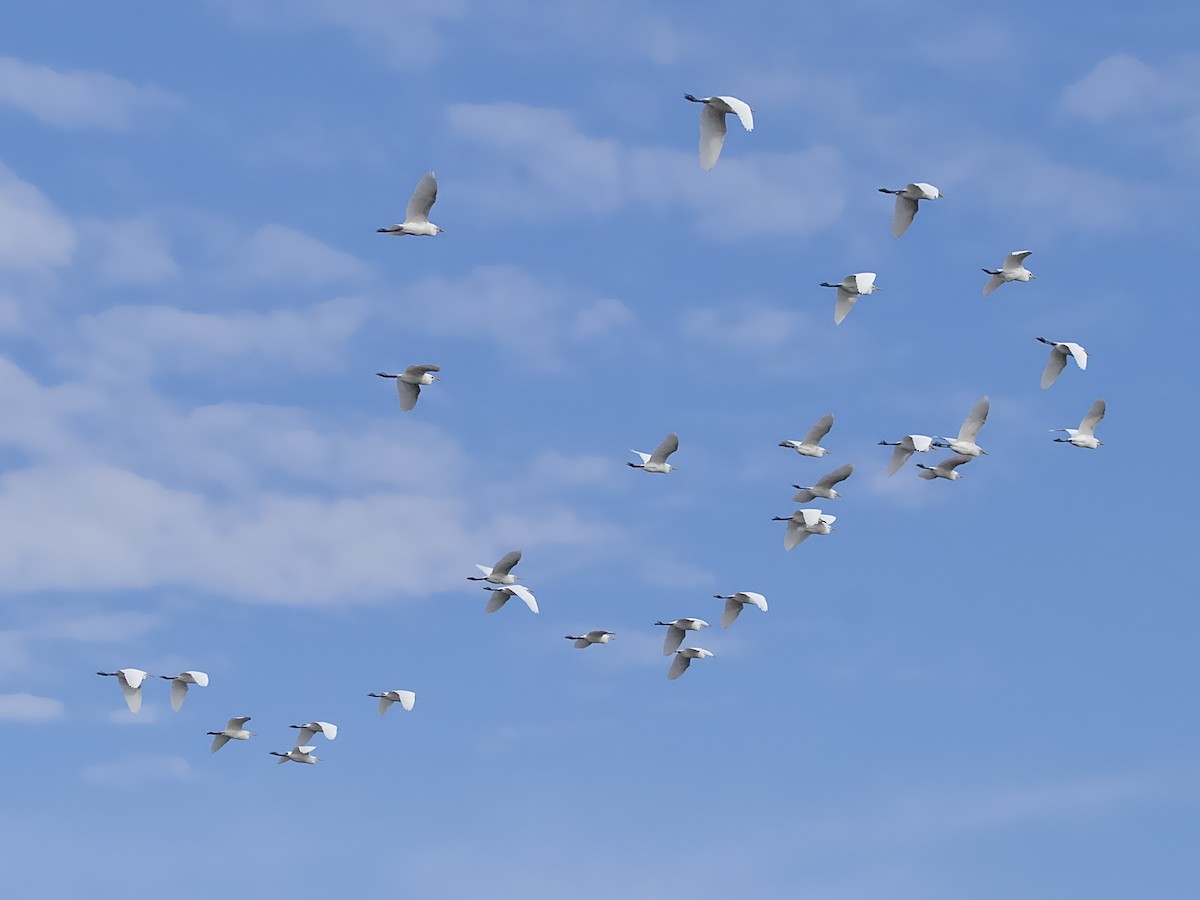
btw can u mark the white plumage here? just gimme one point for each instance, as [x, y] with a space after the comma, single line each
[712, 124]
[810, 444]
[1059, 351]
[907, 199]
[1012, 270]
[416, 217]
[849, 289]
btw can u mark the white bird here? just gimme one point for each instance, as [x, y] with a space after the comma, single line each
[810, 444]
[735, 602]
[1059, 351]
[592, 637]
[298, 754]
[130, 681]
[416, 217]
[500, 596]
[849, 290]
[1084, 436]
[656, 462]
[907, 199]
[179, 686]
[676, 630]
[309, 729]
[964, 444]
[408, 383]
[406, 699]
[683, 659]
[824, 486]
[906, 447]
[235, 730]
[802, 523]
[945, 469]
[712, 124]
[1012, 270]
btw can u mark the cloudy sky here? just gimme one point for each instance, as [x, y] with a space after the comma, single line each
[982, 688]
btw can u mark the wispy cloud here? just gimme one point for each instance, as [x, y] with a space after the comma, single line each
[138, 771]
[33, 234]
[29, 708]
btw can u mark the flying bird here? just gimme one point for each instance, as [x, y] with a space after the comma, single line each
[810, 444]
[676, 630]
[235, 730]
[947, 468]
[802, 523]
[849, 290]
[179, 686]
[1012, 270]
[500, 596]
[964, 444]
[824, 486]
[501, 573]
[1059, 351]
[592, 637]
[298, 754]
[735, 602]
[406, 699]
[130, 681]
[683, 659]
[309, 729]
[907, 199]
[656, 462]
[906, 447]
[416, 217]
[712, 124]
[408, 383]
[1084, 436]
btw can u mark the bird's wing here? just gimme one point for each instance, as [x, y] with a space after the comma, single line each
[131, 677]
[921, 442]
[926, 473]
[899, 457]
[237, 722]
[179, 691]
[1015, 259]
[845, 303]
[673, 639]
[712, 136]
[742, 110]
[200, 679]
[407, 700]
[669, 445]
[755, 599]
[423, 369]
[507, 561]
[645, 457]
[582, 642]
[283, 758]
[906, 208]
[1078, 353]
[992, 283]
[948, 465]
[422, 199]
[1088, 426]
[928, 190]
[827, 519]
[864, 282]
[732, 609]
[838, 475]
[304, 735]
[804, 495]
[328, 729]
[810, 516]
[678, 666]
[795, 536]
[384, 703]
[133, 695]
[1054, 367]
[408, 394]
[497, 600]
[820, 428]
[218, 742]
[974, 420]
[525, 594]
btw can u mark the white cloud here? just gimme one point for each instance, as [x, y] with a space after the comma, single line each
[138, 771]
[29, 708]
[79, 99]
[32, 232]
[1120, 86]
[129, 252]
[277, 253]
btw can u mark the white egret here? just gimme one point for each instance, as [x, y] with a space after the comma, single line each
[130, 681]
[735, 602]
[501, 573]
[849, 290]
[964, 444]
[310, 728]
[907, 199]
[298, 754]
[1084, 436]
[683, 659]
[500, 596]
[406, 699]
[824, 486]
[802, 523]
[1012, 270]
[592, 637]
[810, 444]
[235, 730]
[656, 462]
[676, 630]
[945, 469]
[906, 447]
[712, 124]
[408, 383]
[1059, 351]
[416, 217]
[179, 686]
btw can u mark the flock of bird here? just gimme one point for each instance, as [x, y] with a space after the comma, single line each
[499, 579]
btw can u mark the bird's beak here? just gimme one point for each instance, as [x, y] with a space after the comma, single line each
[941, 196]
[1034, 277]
[877, 287]
[441, 230]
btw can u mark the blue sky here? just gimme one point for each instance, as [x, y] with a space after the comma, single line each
[981, 688]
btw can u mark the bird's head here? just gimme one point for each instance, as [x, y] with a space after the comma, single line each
[834, 494]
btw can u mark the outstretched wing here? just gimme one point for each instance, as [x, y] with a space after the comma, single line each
[507, 561]
[742, 110]
[820, 428]
[974, 420]
[384, 703]
[408, 394]
[497, 600]
[795, 536]
[712, 136]
[421, 370]
[954, 462]
[900, 456]
[669, 445]
[732, 610]
[845, 303]
[1054, 367]
[678, 666]
[838, 475]
[1088, 426]
[422, 200]
[179, 691]
[525, 594]
[992, 283]
[218, 742]
[673, 639]
[1016, 259]
[1078, 354]
[906, 208]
